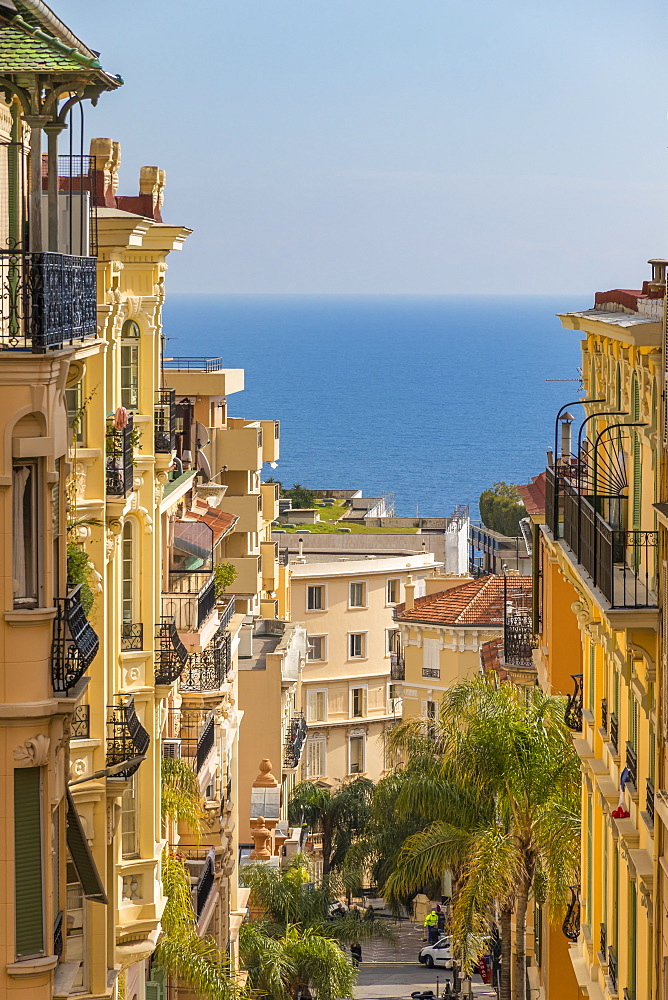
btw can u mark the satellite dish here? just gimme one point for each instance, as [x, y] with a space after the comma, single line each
[203, 465]
[202, 434]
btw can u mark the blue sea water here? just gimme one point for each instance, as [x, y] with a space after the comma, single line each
[431, 398]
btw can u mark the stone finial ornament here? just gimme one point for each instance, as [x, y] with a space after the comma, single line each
[265, 778]
[261, 838]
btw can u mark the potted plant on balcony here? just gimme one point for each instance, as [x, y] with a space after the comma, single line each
[225, 574]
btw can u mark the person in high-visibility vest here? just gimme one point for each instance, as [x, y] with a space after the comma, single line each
[431, 923]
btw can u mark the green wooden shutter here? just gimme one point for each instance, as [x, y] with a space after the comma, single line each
[637, 483]
[81, 855]
[592, 676]
[28, 862]
[590, 864]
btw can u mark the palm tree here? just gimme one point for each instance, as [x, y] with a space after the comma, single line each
[507, 750]
[181, 796]
[297, 963]
[194, 961]
[339, 815]
[288, 900]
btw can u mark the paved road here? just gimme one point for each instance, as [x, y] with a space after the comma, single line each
[392, 970]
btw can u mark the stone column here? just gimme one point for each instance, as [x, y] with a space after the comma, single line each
[36, 123]
[53, 130]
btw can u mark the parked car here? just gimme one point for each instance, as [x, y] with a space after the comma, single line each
[437, 954]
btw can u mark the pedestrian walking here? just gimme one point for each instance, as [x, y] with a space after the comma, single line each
[356, 954]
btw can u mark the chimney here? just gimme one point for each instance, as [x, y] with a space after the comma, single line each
[658, 282]
[566, 445]
[409, 591]
[300, 558]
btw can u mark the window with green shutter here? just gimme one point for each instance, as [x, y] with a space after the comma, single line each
[592, 676]
[29, 899]
[590, 864]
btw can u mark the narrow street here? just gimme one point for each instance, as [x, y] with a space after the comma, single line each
[392, 969]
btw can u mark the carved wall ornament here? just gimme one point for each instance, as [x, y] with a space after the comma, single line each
[33, 753]
[79, 767]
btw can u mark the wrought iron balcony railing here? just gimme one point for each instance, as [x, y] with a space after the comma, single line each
[191, 600]
[621, 563]
[649, 799]
[132, 636]
[612, 968]
[431, 672]
[120, 468]
[164, 415]
[205, 883]
[171, 655]
[294, 742]
[208, 669]
[80, 726]
[126, 737]
[195, 728]
[573, 713]
[226, 614]
[201, 863]
[632, 764]
[397, 667]
[47, 300]
[75, 643]
[603, 942]
[604, 714]
[614, 732]
[571, 924]
[190, 364]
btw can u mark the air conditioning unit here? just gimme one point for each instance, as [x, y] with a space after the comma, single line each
[171, 748]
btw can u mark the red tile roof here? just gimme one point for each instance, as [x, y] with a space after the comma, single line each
[220, 523]
[491, 660]
[533, 494]
[479, 602]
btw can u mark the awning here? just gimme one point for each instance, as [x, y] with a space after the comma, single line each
[81, 855]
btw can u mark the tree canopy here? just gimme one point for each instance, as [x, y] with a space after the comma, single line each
[501, 509]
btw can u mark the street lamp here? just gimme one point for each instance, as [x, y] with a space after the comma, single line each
[111, 772]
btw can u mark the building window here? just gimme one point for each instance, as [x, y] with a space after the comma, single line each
[129, 824]
[392, 592]
[357, 595]
[25, 535]
[390, 641]
[130, 365]
[129, 570]
[315, 598]
[431, 649]
[315, 757]
[76, 928]
[317, 647]
[316, 706]
[75, 412]
[356, 645]
[356, 754]
[28, 889]
[358, 702]
[430, 710]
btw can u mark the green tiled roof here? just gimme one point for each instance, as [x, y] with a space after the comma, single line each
[21, 52]
[174, 483]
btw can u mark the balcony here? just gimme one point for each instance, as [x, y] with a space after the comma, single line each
[195, 729]
[171, 655]
[47, 300]
[612, 968]
[75, 643]
[649, 799]
[201, 863]
[209, 669]
[126, 737]
[621, 563]
[397, 667]
[603, 942]
[247, 508]
[193, 364]
[80, 725]
[238, 446]
[614, 732]
[120, 468]
[195, 376]
[269, 561]
[132, 636]
[164, 416]
[604, 714]
[270, 508]
[573, 713]
[571, 924]
[294, 742]
[271, 440]
[191, 600]
[226, 613]
[248, 579]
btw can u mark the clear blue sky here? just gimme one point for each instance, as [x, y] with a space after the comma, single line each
[394, 146]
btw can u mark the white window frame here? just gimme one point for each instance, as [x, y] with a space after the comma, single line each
[364, 688]
[364, 646]
[310, 693]
[323, 649]
[32, 569]
[365, 595]
[431, 655]
[318, 586]
[362, 738]
[397, 581]
[130, 362]
[321, 742]
[389, 636]
[131, 832]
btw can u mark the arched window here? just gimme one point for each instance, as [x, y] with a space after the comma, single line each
[128, 571]
[130, 365]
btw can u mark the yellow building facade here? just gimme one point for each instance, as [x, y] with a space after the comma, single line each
[348, 697]
[597, 564]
